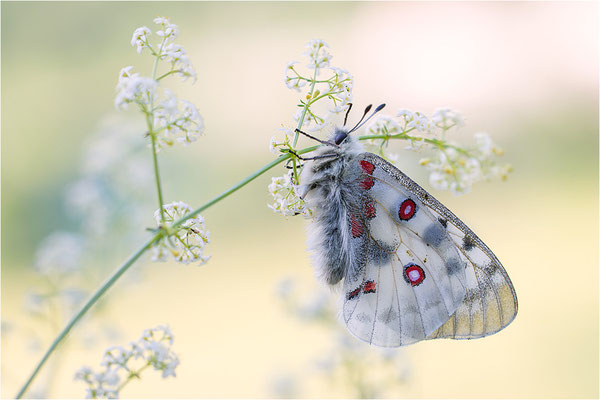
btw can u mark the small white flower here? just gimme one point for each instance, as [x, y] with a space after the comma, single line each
[291, 79]
[180, 62]
[273, 145]
[187, 243]
[341, 89]
[420, 122]
[446, 118]
[384, 125]
[84, 374]
[406, 115]
[161, 21]
[140, 38]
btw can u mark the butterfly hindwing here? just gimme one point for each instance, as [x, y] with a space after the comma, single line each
[425, 274]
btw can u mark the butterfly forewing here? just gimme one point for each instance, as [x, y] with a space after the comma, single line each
[425, 274]
[413, 278]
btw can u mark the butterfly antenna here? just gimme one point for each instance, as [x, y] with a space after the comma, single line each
[347, 112]
[361, 118]
[359, 124]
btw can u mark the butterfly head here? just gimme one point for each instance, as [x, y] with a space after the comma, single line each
[340, 134]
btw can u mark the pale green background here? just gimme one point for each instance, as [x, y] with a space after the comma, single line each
[525, 72]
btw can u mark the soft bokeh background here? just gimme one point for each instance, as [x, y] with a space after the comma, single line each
[527, 73]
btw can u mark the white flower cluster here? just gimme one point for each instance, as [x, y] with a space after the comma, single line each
[134, 88]
[177, 120]
[457, 169]
[452, 167]
[337, 88]
[187, 243]
[173, 119]
[285, 200]
[319, 57]
[441, 120]
[166, 49]
[122, 364]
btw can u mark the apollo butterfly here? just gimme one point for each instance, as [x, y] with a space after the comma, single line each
[411, 270]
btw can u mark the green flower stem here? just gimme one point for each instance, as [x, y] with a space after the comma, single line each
[150, 123]
[133, 375]
[241, 184]
[157, 177]
[436, 142]
[310, 94]
[115, 276]
[167, 74]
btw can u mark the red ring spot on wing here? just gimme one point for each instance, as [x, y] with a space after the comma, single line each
[367, 166]
[407, 210]
[369, 209]
[367, 183]
[369, 287]
[414, 274]
[355, 226]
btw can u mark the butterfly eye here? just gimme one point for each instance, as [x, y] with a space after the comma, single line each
[340, 136]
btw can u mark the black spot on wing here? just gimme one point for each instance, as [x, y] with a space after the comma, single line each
[444, 222]
[490, 269]
[434, 234]
[387, 316]
[454, 266]
[468, 243]
[380, 253]
[365, 318]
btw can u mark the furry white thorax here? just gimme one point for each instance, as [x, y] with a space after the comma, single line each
[325, 185]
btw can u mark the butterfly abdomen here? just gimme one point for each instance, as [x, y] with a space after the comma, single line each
[336, 228]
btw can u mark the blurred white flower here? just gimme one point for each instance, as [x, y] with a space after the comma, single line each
[291, 78]
[140, 38]
[484, 144]
[169, 31]
[121, 364]
[187, 243]
[283, 386]
[445, 118]
[133, 88]
[177, 120]
[180, 62]
[59, 253]
[319, 57]
[383, 125]
[340, 87]
[420, 122]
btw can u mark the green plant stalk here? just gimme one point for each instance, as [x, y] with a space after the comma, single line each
[121, 270]
[157, 177]
[150, 123]
[115, 276]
